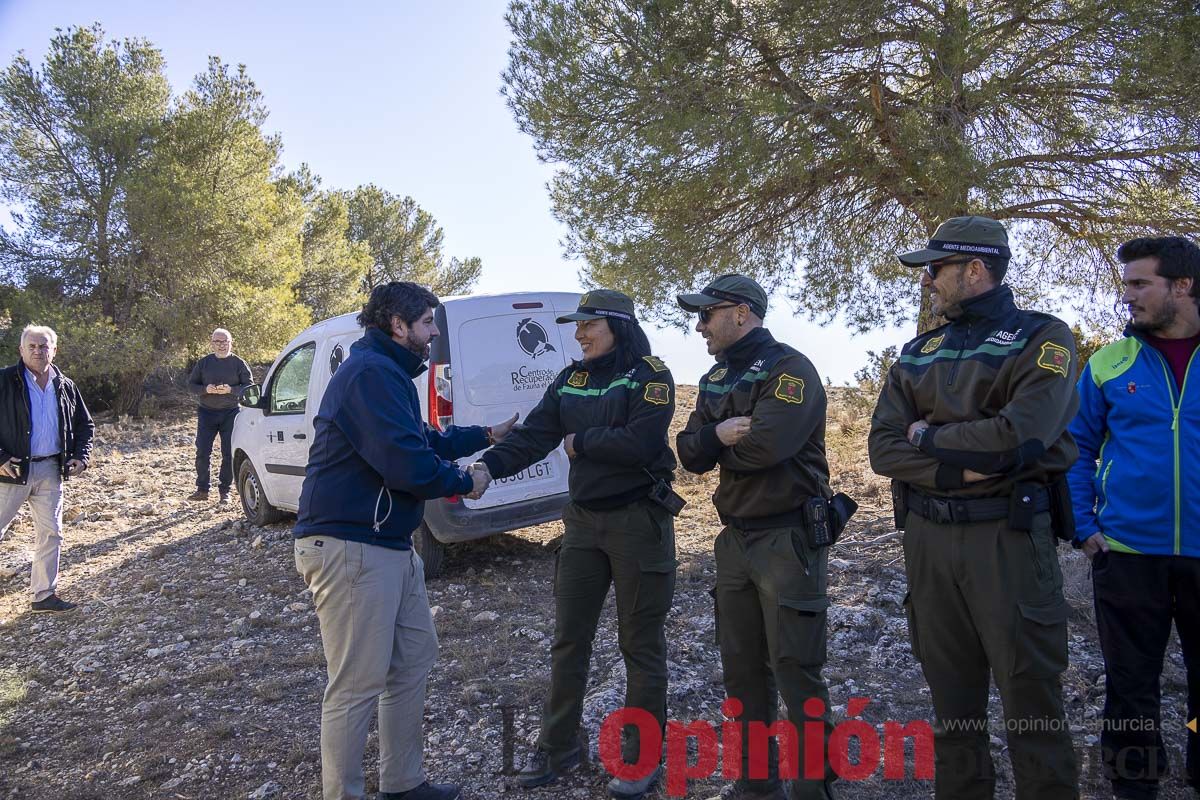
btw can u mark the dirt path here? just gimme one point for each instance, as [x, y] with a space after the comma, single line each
[194, 669]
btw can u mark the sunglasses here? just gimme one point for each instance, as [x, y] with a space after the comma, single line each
[707, 313]
[934, 267]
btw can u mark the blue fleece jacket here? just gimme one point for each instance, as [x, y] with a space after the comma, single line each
[1137, 479]
[374, 462]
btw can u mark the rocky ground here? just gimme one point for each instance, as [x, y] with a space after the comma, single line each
[194, 669]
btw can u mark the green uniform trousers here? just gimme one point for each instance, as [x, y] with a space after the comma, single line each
[983, 598]
[771, 604]
[632, 548]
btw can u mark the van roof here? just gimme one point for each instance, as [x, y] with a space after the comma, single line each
[344, 323]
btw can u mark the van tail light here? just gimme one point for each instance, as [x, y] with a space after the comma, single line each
[441, 396]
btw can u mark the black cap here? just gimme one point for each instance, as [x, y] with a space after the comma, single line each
[601, 304]
[731, 288]
[971, 236]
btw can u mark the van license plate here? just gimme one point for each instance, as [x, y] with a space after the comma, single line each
[538, 472]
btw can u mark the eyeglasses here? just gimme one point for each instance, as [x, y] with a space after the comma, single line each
[706, 313]
[934, 267]
[220, 341]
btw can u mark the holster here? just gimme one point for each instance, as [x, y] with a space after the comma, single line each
[899, 503]
[1062, 511]
[1022, 506]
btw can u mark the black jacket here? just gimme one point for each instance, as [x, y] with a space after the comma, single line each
[997, 387]
[75, 425]
[620, 422]
[781, 462]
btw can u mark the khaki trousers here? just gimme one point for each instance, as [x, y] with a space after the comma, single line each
[379, 644]
[43, 490]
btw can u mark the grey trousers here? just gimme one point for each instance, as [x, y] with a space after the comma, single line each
[43, 490]
[380, 645]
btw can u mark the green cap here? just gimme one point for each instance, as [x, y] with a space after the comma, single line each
[972, 236]
[732, 288]
[601, 304]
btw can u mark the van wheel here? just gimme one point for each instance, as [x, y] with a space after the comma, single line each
[431, 551]
[254, 499]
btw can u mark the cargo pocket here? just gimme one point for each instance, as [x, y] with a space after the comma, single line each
[800, 630]
[656, 588]
[914, 639]
[1040, 650]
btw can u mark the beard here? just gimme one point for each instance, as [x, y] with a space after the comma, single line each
[1160, 320]
[416, 346]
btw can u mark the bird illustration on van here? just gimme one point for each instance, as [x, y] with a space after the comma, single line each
[532, 338]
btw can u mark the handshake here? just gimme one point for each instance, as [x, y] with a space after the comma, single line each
[480, 479]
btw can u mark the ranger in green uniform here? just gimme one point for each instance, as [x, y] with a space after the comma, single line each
[972, 428]
[611, 411]
[760, 415]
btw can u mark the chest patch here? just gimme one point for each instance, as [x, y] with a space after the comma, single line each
[790, 390]
[718, 375]
[1054, 358]
[657, 393]
[578, 379]
[933, 344]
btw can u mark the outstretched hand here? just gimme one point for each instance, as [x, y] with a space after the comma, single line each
[502, 429]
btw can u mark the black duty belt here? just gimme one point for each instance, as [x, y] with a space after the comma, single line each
[785, 520]
[948, 510]
[44, 458]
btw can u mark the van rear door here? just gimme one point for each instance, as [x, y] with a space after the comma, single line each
[504, 351]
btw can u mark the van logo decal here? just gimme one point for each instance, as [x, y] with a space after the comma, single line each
[336, 358]
[532, 338]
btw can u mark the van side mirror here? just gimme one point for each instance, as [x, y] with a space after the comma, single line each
[251, 396]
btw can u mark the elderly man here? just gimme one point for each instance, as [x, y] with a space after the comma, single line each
[45, 437]
[217, 379]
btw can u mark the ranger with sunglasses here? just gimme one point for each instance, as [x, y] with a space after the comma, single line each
[760, 416]
[971, 425]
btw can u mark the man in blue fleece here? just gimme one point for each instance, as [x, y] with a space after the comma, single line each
[1136, 493]
[372, 465]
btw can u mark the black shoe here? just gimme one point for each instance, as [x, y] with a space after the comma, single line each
[224, 499]
[53, 603]
[426, 791]
[198, 496]
[542, 768]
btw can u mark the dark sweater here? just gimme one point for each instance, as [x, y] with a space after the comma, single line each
[216, 371]
[374, 462]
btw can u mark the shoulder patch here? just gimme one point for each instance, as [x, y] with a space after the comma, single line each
[655, 363]
[718, 374]
[657, 393]
[933, 344]
[1054, 357]
[790, 390]
[578, 379]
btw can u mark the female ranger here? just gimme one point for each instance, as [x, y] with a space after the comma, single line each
[611, 412]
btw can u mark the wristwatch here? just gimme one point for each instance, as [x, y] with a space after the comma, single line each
[918, 436]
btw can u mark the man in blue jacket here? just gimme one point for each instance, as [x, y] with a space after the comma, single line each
[1136, 496]
[372, 465]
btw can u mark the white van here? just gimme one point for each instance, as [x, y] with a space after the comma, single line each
[496, 354]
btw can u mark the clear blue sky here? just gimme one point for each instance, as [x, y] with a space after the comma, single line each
[405, 95]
